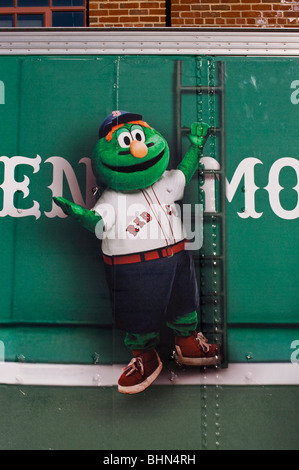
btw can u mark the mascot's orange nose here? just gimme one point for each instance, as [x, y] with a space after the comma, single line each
[138, 149]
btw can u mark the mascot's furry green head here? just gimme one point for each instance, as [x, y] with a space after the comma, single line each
[129, 154]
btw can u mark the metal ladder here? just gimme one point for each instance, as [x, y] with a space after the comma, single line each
[212, 265]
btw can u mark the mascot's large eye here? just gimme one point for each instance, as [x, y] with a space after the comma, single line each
[124, 139]
[137, 133]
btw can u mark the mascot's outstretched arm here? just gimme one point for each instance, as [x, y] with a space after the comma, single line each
[199, 135]
[87, 218]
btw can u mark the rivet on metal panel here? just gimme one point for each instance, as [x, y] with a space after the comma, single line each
[95, 358]
[204, 406]
[173, 377]
[97, 379]
[20, 358]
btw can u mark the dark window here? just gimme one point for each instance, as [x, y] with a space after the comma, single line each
[7, 3]
[36, 21]
[39, 13]
[67, 3]
[33, 3]
[6, 21]
[67, 18]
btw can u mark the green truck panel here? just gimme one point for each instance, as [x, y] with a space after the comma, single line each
[52, 106]
[55, 306]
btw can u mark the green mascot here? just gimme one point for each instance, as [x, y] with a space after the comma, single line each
[149, 271]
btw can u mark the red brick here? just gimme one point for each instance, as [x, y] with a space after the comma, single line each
[250, 21]
[261, 7]
[102, 13]
[117, 12]
[209, 21]
[199, 7]
[240, 7]
[128, 19]
[152, 18]
[269, 14]
[280, 7]
[209, 1]
[220, 7]
[188, 2]
[230, 14]
[216, 13]
[189, 14]
[138, 12]
[93, 6]
[179, 8]
[157, 11]
[250, 14]
[291, 14]
[210, 14]
[176, 21]
[194, 22]
[110, 19]
[129, 5]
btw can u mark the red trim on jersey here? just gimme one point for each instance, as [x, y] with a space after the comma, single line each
[159, 223]
[164, 213]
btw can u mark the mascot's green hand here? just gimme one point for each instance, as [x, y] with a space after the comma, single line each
[87, 218]
[69, 208]
[199, 133]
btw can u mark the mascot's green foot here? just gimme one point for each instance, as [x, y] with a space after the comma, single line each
[194, 350]
[141, 372]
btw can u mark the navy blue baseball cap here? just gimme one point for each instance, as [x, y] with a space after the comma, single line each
[115, 118]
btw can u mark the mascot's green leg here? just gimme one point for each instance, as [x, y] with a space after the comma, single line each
[142, 341]
[184, 325]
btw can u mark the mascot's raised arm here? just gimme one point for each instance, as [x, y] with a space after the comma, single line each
[149, 271]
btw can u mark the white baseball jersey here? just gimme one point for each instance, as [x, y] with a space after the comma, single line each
[142, 220]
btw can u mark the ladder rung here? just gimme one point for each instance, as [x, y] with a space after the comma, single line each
[213, 130]
[197, 89]
[213, 214]
[211, 172]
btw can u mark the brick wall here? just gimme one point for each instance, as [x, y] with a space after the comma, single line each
[235, 13]
[127, 13]
[193, 13]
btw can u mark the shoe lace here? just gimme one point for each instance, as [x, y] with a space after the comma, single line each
[135, 364]
[203, 342]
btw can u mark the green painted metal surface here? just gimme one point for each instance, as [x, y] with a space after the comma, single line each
[261, 124]
[54, 304]
[51, 270]
[234, 418]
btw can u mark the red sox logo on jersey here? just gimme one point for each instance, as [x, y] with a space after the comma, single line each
[144, 218]
[139, 222]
